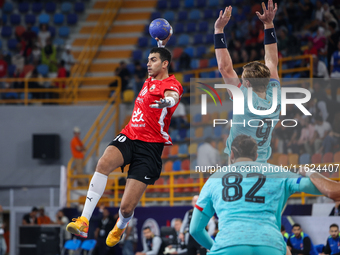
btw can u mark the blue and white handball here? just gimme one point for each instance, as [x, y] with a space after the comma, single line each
[159, 28]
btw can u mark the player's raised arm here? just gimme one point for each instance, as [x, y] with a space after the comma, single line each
[225, 64]
[270, 42]
[327, 187]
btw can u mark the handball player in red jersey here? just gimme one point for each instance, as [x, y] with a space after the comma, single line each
[139, 144]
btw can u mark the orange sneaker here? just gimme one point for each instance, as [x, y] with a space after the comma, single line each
[79, 227]
[115, 235]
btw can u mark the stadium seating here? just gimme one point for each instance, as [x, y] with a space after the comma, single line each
[327, 157]
[185, 165]
[79, 7]
[174, 151]
[293, 159]
[44, 18]
[12, 44]
[50, 7]
[166, 152]
[15, 19]
[179, 180]
[7, 7]
[64, 31]
[43, 70]
[283, 160]
[337, 157]
[66, 7]
[176, 165]
[30, 19]
[58, 18]
[304, 159]
[169, 16]
[37, 7]
[72, 19]
[23, 7]
[316, 158]
[88, 245]
[168, 166]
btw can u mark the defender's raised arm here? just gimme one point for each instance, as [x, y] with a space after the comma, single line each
[225, 64]
[270, 42]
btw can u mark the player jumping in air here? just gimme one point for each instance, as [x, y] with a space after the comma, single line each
[139, 144]
[262, 78]
[248, 201]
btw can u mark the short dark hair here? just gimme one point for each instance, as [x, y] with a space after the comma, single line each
[208, 139]
[35, 209]
[334, 226]
[244, 146]
[296, 225]
[145, 228]
[283, 228]
[164, 54]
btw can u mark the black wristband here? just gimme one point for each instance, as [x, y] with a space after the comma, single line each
[269, 36]
[220, 41]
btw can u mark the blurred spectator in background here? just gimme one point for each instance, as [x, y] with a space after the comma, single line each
[68, 59]
[78, 149]
[284, 233]
[207, 154]
[193, 247]
[336, 210]
[36, 55]
[114, 84]
[178, 247]
[62, 73]
[332, 40]
[29, 36]
[3, 70]
[322, 129]
[3, 246]
[330, 141]
[18, 61]
[283, 42]
[62, 220]
[300, 242]
[35, 84]
[333, 241]
[43, 219]
[49, 56]
[140, 74]
[105, 225]
[179, 117]
[30, 218]
[184, 61]
[306, 11]
[335, 72]
[306, 136]
[43, 35]
[124, 74]
[130, 238]
[319, 41]
[319, 68]
[152, 244]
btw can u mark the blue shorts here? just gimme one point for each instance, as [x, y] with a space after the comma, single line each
[248, 250]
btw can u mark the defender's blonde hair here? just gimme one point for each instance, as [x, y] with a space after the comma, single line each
[257, 74]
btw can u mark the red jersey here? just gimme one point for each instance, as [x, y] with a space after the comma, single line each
[151, 124]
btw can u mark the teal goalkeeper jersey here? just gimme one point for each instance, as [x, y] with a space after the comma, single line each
[263, 134]
[249, 203]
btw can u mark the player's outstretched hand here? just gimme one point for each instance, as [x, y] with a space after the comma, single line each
[223, 19]
[162, 103]
[268, 14]
[161, 43]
